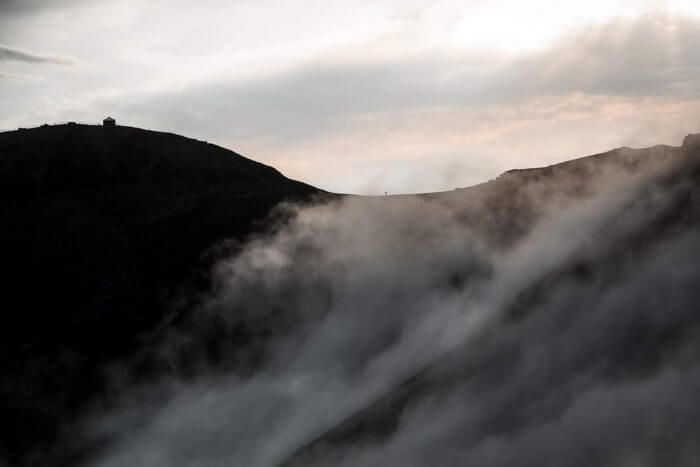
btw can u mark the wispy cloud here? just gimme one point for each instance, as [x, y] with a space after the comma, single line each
[10, 53]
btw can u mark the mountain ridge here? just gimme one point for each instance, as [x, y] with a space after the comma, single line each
[104, 230]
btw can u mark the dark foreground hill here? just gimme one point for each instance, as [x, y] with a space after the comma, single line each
[98, 229]
[547, 317]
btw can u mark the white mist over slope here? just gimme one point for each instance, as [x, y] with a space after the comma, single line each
[545, 318]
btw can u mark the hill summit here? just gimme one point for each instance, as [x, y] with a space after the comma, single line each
[100, 225]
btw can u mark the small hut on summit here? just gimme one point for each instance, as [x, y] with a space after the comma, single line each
[109, 122]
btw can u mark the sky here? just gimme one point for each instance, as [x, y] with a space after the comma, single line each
[364, 96]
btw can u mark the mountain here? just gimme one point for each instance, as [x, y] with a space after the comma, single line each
[161, 311]
[99, 228]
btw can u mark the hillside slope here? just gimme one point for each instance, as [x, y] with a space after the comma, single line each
[98, 229]
[546, 317]
[618, 312]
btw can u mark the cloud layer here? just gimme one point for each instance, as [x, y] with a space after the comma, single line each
[454, 109]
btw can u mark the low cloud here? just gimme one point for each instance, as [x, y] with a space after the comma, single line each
[534, 321]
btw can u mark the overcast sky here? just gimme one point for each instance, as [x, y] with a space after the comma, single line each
[364, 96]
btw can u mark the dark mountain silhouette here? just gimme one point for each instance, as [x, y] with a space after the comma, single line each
[99, 227]
[108, 232]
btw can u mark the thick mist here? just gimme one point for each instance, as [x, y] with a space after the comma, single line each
[547, 317]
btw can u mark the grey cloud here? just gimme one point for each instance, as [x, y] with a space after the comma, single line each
[531, 335]
[28, 7]
[10, 53]
[295, 105]
[655, 55]
[18, 17]
[649, 56]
